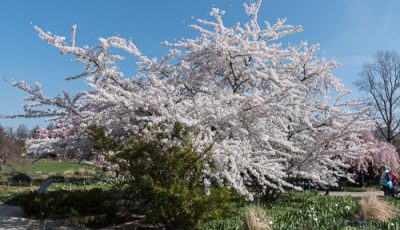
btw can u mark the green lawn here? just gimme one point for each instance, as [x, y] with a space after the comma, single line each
[46, 166]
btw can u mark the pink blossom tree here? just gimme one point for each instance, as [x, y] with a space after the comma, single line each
[380, 154]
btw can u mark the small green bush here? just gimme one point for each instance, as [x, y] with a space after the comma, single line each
[20, 179]
[166, 181]
[56, 178]
[65, 204]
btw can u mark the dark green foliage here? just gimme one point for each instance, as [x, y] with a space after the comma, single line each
[56, 178]
[21, 178]
[105, 221]
[166, 182]
[99, 140]
[63, 204]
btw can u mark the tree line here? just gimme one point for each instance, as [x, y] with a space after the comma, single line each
[12, 142]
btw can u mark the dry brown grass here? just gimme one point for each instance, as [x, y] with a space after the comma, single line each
[69, 173]
[373, 209]
[81, 172]
[109, 174]
[91, 172]
[256, 218]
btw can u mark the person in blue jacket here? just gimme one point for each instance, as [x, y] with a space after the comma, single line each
[386, 182]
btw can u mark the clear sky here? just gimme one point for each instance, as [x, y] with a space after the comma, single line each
[350, 31]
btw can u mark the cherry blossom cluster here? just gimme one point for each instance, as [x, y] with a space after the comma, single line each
[61, 131]
[380, 154]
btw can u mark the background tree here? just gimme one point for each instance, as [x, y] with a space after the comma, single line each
[380, 80]
[33, 131]
[21, 134]
[9, 148]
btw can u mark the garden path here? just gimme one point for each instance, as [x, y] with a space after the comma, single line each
[12, 218]
[355, 194]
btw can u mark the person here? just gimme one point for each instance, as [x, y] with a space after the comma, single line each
[386, 181]
[394, 179]
[394, 183]
[361, 178]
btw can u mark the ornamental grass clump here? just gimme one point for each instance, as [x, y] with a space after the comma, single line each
[256, 218]
[69, 173]
[373, 209]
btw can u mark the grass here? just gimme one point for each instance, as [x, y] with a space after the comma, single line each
[300, 211]
[374, 209]
[7, 192]
[46, 166]
[256, 218]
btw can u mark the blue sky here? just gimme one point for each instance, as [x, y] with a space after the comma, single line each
[350, 31]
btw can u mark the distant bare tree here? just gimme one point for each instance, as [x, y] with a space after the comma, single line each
[380, 79]
[9, 149]
[21, 134]
[33, 132]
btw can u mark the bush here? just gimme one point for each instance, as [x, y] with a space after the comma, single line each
[21, 178]
[65, 204]
[56, 178]
[166, 179]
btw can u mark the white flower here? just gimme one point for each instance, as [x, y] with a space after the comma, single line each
[315, 219]
[347, 208]
[279, 99]
[270, 222]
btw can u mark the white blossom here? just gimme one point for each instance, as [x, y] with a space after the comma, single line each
[272, 112]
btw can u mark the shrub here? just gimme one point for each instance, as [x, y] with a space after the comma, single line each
[373, 209]
[56, 178]
[256, 218]
[21, 178]
[166, 180]
[63, 204]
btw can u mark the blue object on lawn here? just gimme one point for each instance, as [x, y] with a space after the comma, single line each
[44, 186]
